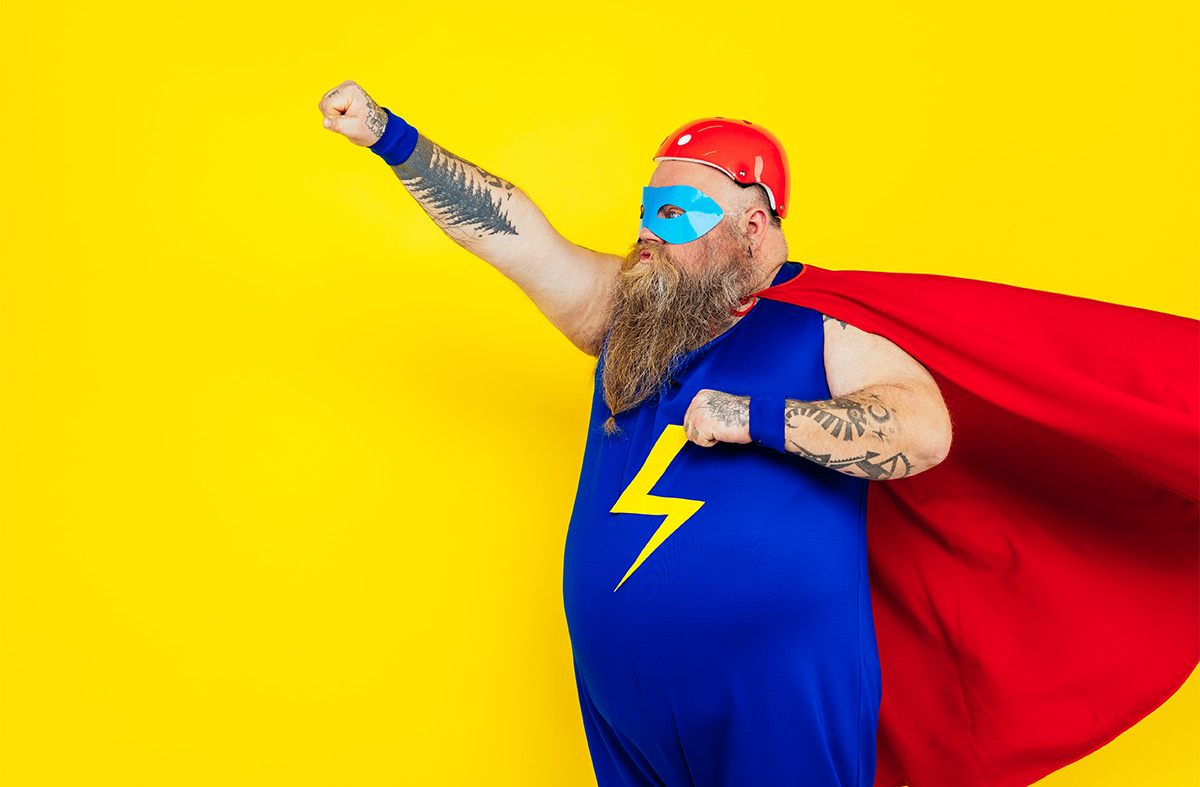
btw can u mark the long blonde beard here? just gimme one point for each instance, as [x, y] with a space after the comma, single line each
[662, 313]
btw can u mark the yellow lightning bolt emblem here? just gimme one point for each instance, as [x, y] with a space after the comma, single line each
[636, 499]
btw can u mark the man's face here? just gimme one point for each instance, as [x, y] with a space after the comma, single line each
[714, 184]
[674, 298]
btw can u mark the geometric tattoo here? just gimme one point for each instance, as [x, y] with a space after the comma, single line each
[843, 416]
[869, 465]
[851, 419]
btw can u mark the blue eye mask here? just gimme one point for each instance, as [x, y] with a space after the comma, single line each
[701, 213]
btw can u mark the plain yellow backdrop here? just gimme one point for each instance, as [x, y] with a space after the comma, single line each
[286, 474]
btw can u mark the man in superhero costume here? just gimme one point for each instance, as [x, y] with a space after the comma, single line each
[1033, 595]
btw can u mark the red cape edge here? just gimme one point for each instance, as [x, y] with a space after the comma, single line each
[1037, 593]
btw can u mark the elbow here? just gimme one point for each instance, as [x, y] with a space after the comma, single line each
[933, 447]
[941, 436]
[938, 454]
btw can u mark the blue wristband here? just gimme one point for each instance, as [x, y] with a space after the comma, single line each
[398, 141]
[767, 421]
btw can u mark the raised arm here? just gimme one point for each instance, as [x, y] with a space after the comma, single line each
[494, 220]
[886, 418]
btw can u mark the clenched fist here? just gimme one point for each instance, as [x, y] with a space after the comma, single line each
[349, 111]
[715, 417]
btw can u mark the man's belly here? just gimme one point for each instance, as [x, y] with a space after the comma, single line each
[764, 584]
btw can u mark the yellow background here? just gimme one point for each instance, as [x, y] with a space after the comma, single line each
[286, 474]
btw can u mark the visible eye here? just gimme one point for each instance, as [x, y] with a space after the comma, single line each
[670, 212]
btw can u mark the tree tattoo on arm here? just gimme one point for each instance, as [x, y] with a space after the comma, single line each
[465, 200]
[862, 418]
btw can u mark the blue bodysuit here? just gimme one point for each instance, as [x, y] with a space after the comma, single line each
[721, 621]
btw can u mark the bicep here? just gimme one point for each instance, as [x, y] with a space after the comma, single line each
[591, 310]
[573, 287]
[859, 361]
[855, 359]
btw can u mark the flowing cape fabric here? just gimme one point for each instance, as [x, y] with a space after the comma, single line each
[1038, 592]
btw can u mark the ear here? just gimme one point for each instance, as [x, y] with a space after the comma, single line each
[755, 223]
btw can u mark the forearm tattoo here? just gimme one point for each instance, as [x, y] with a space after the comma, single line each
[729, 409]
[863, 419]
[465, 200]
[871, 465]
[844, 417]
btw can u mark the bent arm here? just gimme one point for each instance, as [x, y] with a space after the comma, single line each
[497, 222]
[885, 409]
[880, 432]
[886, 418]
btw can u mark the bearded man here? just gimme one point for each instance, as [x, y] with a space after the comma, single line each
[716, 568]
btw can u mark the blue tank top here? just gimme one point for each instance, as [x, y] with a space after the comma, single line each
[725, 612]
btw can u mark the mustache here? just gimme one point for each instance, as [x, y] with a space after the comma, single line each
[657, 251]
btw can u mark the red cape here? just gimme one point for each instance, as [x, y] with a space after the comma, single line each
[1038, 592]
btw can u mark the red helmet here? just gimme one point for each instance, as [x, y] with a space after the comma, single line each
[746, 152]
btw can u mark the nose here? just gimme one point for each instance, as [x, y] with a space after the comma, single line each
[649, 236]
